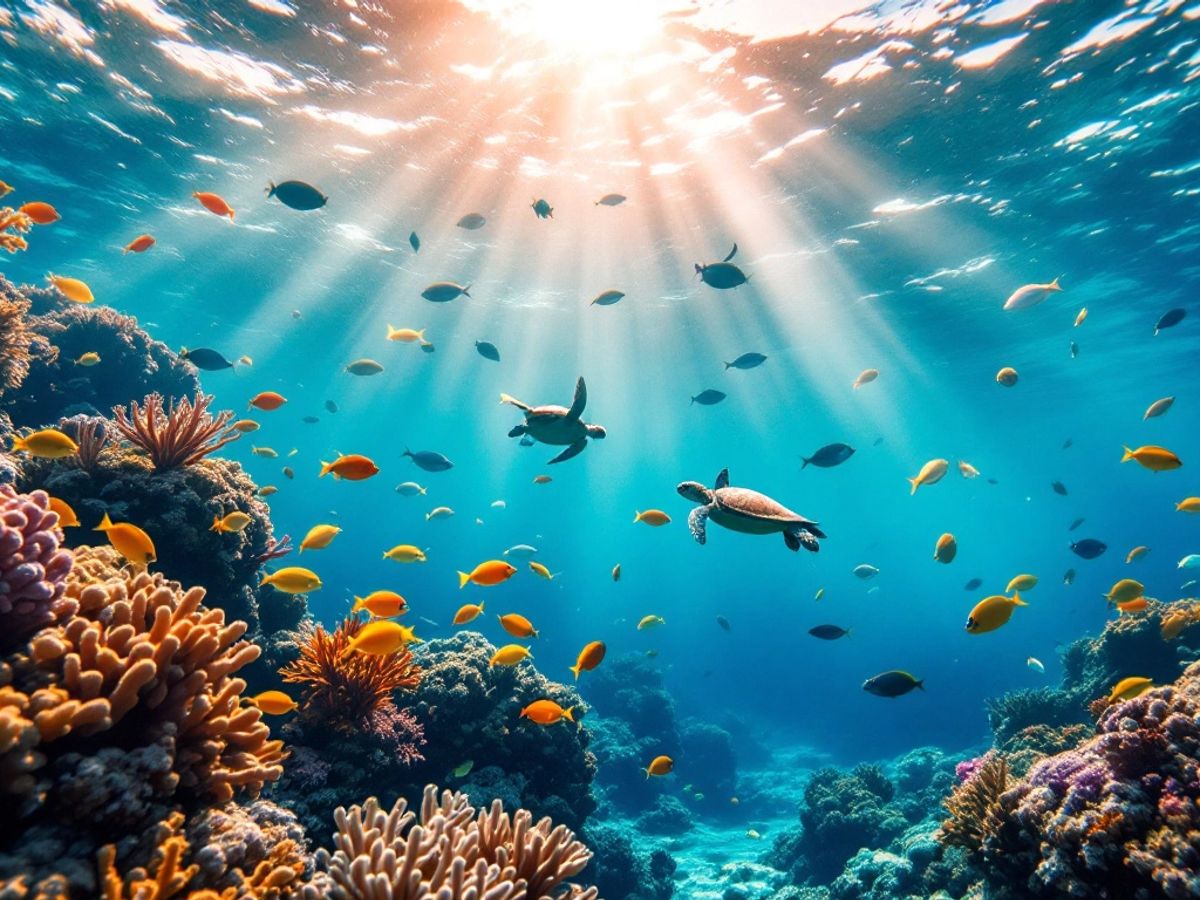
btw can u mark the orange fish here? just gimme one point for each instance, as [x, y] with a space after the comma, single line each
[268, 401]
[1137, 604]
[589, 657]
[214, 203]
[547, 712]
[139, 244]
[40, 213]
[351, 466]
[468, 613]
[518, 626]
[653, 517]
[381, 604]
[486, 574]
[660, 765]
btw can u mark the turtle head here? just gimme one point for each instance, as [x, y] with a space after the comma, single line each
[597, 432]
[695, 491]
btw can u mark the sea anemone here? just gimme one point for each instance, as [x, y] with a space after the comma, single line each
[180, 435]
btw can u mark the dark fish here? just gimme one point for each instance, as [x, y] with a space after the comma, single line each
[708, 397]
[1089, 548]
[746, 361]
[829, 456]
[877, 441]
[722, 275]
[892, 684]
[1170, 319]
[973, 585]
[429, 460]
[414, 241]
[297, 195]
[427, 347]
[724, 623]
[331, 406]
[828, 632]
[1074, 349]
[611, 200]
[1059, 488]
[471, 221]
[1067, 444]
[992, 481]
[527, 441]
[310, 420]
[487, 350]
[1076, 524]
[206, 359]
[542, 208]
[1069, 576]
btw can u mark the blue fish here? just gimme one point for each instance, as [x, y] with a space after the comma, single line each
[708, 397]
[414, 242]
[429, 460]
[297, 195]
[488, 350]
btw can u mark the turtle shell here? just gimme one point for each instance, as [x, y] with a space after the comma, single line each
[753, 505]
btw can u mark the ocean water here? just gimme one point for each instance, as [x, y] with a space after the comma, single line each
[890, 174]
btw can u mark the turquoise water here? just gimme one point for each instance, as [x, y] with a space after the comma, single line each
[887, 192]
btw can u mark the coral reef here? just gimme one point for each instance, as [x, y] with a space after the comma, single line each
[180, 434]
[618, 871]
[19, 342]
[33, 570]
[975, 803]
[449, 850]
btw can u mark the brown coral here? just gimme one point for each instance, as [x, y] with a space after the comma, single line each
[343, 688]
[974, 806]
[18, 340]
[182, 434]
[1178, 617]
[451, 851]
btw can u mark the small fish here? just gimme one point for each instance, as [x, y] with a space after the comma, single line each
[818, 595]
[297, 195]
[894, 683]
[1188, 505]
[66, 515]
[606, 200]
[429, 460]
[1036, 664]
[274, 703]
[364, 367]
[753, 835]
[1136, 553]
[487, 350]
[509, 655]
[542, 208]
[589, 657]
[653, 517]
[267, 490]
[616, 572]
[538, 569]
[351, 467]
[1007, 376]
[405, 335]
[468, 613]
[1021, 583]
[49, 443]
[607, 298]
[1129, 688]
[1069, 577]
[659, 766]
[245, 426]
[547, 712]
[973, 585]
[268, 401]
[330, 406]
[1158, 408]
[1066, 445]
[946, 549]
[709, 397]
[1081, 317]
[245, 360]
[232, 523]
[1074, 348]
[409, 489]
[865, 571]
[724, 623]
[1136, 605]
[542, 479]
[427, 347]
[1075, 524]
[381, 604]
[40, 213]
[310, 420]
[289, 473]
[1059, 488]
[129, 541]
[1154, 458]
[487, 574]
[73, 289]
[747, 361]
[383, 637]
[293, 452]
[445, 291]
[440, 512]
[828, 456]
[517, 625]
[1030, 295]
[265, 452]
[1169, 319]
[1191, 561]
[521, 551]
[414, 241]
[866, 376]
[931, 473]
[966, 470]
[214, 203]
[992, 612]
[650, 622]
[1125, 590]
[319, 537]
[471, 221]
[6, 189]
[296, 315]
[499, 504]
[829, 632]
[293, 580]
[139, 244]
[405, 553]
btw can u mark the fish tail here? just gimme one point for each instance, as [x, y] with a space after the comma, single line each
[1128, 455]
[18, 443]
[423, 491]
[326, 468]
[847, 634]
[919, 684]
[104, 525]
[805, 463]
[463, 578]
[406, 452]
[647, 771]
[216, 525]
[576, 670]
[270, 191]
[637, 517]
[266, 579]
[357, 605]
[467, 291]
[569, 714]
[1054, 285]
[1016, 599]
[915, 484]
[728, 366]
[693, 401]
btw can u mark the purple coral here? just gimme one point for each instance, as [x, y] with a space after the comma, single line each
[33, 570]
[401, 732]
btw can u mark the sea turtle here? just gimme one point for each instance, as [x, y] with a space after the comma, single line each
[724, 274]
[557, 425]
[747, 511]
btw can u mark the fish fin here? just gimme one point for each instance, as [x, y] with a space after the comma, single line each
[265, 579]
[270, 190]
[358, 604]
[919, 684]
[467, 291]
[216, 525]
[847, 634]
[18, 444]
[569, 714]
[637, 516]
[104, 525]
[914, 484]
[805, 462]
[463, 578]
[407, 452]
[423, 491]
[1128, 455]
[326, 468]
[1054, 285]
[1016, 599]
[575, 669]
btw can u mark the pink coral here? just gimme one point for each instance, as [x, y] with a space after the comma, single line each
[33, 570]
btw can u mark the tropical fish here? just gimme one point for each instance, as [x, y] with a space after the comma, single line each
[293, 580]
[139, 244]
[214, 203]
[274, 703]
[946, 548]
[468, 613]
[319, 537]
[1036, 664]
[40, 212]
[590, 656]
[1030, 295]
[606, 200]
[89, 359]
[1188, 505]
[1066, 445]
[471, 221]
[1074, 349]
[1156, 459]
[330, 406]
[1059, 488]
[1021, 583]
[973, 584]
[429, 460]
[509, 655]
[405, 553]
[1125, 590]
[409, 489]
[1088, 548]
[1169, 319]
[931, 473]
[265, 452]
[6, 189]
[487, 574]
[288, 472]
[829, 632]
[517, 625]
[1129, 688]
[538, 569]
[414, 241]
[1136, 553]
[866, 376]
[542, 208]
[653, 517]
[650, 622]
[1069, 576]
[383, 637]
[818, 595]
[499, 504]
[1076, 523]
[66, 515]
[351, 467]
[724, 623]
[522, 551]
[992, 612]
[445, 291]
[49, 443]
[542, 479]
[659, 766]
[205, 358]
[487, 350]
[73, 289]
[1191, 561]
[364, 367]
[966, 470]
[747, 361]
[1081, 317]
[128, 540]
[298, 195]
[616, 572]
[893, 683]
[1158, 408]
[1137, 604]
[405, 335]
[231, 523]
[722, 275]
[381, 604]
[427, 347]
[1007, 376]
[608, 298]
[709, 397]
[462, 770]
[439, 512]
[828, 456]
[546, 712]
[267, 401]
[865, 571]
[267, 490]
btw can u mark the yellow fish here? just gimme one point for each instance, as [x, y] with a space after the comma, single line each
[1007, 376]
[49, 443]
[128, 540]
[293, 580]
[486, 574]
[547, 712]
[405, 553]
[650, 622]
[245, 360]
[1125, 590]
[1021, 583]
[1128, 688]
[931, 473]
[468, 613]
[274, 703]
[517, 625]
[510, 655]
[1081, 318]
[1190, 505]
[407, 335]
[245, 426]
[1136, 553]
[1156, 459]
[992, 612]
[72, 288]
[319, 537]
[381, 604]
[264, 452]
[539, 569]
[66, 515]
[232, 523]
[660, 765]
[967, 470]
[382, 638]
[267, 490]
[89, 359]
[946, 548]
[654, 517]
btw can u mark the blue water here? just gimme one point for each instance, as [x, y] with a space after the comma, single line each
[888, 238]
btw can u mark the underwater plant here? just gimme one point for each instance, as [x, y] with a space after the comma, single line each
[181, 434]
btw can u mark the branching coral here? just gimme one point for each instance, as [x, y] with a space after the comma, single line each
[33, 570]
[974, 806]
[91, 434]
[18, 340]
[449, 851]
[13, 224]
[179, 435]
[168, 879]
[344, 689]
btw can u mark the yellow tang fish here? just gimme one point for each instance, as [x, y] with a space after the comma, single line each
[128, 540]
[72, 288]
[1021, 583]
[232, 523]
[1156, 459]
[659, 766]
[538, 569]
[653, 517]
[293, 580]
[589, 657]
[381, 604]
[992, 612]
[547, 712]
[468, 613]
[510, 655]
[319, 537]
[486, 574]
[1125, 590]
[274, 703]
[49, 443]
[931, 473]
[382, 637]
[89, 359]
[1128, 688]
[405, 553]
[517, 625]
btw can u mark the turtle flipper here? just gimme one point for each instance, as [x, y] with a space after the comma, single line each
[579, 402]
[722, 480]
[505, 398]
[517, 431]
[732, 254]
[697, 520]
[797, 537]
[574, 450]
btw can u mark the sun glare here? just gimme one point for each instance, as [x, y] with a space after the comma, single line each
[580, 29]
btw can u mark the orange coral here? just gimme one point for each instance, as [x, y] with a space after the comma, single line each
[13, 224]
[179, 435]
[1177, 617]
[168, 879]
[344, 688]
[1105, 821]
